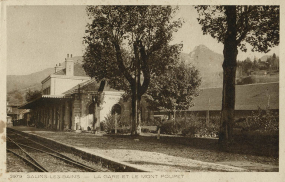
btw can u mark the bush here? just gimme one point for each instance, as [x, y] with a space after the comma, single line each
[40, 124]
[190, 131]
[102, 126]
[145, 130]
[191, 125]
[150, 122]
[109, 125]
[197, 126]
[168, 128]
[261, 120]
[121, 130]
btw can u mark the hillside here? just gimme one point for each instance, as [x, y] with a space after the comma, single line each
[208, 63]
[24, 82]
[32, 81]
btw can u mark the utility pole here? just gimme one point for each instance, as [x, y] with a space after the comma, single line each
[208, 113]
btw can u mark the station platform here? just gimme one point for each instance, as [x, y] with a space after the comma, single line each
[144, 152]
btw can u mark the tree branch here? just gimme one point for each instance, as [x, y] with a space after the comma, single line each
[121, 64]
[145, 70]
[244, 16]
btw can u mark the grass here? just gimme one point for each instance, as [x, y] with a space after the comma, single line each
[172, 152]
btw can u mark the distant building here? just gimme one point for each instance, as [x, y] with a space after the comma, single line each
[13, 111]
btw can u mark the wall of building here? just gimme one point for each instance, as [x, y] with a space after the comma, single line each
[46, 85]
[65, 83]
[110, 99]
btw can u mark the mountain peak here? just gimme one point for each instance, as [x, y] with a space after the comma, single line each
[201, 47]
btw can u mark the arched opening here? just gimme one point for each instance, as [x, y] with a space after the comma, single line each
[90, 117]
[91, 108]
[116, 109]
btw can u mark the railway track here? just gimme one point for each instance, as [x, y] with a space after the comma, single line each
[42, 158]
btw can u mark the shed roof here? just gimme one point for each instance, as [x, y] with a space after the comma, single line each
[44, 99]
[90, 85]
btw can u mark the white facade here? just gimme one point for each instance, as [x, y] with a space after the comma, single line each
[56, 84]
[110, 99]
[64, 83]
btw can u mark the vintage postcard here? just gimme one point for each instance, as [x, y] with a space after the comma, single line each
[145, 91]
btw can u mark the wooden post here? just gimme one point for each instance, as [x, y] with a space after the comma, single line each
[208, 114]
[115, 117]
[158, 133]
[174, 115]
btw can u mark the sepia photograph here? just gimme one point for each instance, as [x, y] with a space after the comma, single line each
[160, 90]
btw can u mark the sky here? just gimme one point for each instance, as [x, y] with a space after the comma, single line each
[39, 37]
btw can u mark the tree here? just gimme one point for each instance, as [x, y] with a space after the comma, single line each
[127, 46]
[255, 64]
[273, 62]
[32, 95]
[175, 89]
[235, 26]
[15, 97]
[247, 66]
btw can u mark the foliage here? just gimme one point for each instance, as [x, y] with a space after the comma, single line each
[108, 124]
[235, 26]
[175, 89]
[260, 120]
[256, 25]
[119, 35]
[245, 80]
[273, 62]
[198, 127]
[192, 126]
[129, 45]
[32, 95]
[102, 126]
[247, 66]
[168, 127]
[15, 97]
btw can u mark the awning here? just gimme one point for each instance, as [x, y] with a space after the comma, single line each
[43, 101]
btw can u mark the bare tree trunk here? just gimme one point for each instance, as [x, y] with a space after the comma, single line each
[134, 113]
[139, 113]
[229, 67]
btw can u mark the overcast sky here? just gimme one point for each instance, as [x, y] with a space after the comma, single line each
[38, 37]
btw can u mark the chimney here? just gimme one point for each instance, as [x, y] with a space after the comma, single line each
[69, 66]
[57, 68]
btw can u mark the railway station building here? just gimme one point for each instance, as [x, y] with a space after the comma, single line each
[68, 100]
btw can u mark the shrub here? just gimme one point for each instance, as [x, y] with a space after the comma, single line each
[197, 126]
[120, 130]
[109, 125]
[261, 120]
[190, 131]
[102, 126]
[167, 128]
[150, 122]
[145, 130]
[40, 124]
[192, 125]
